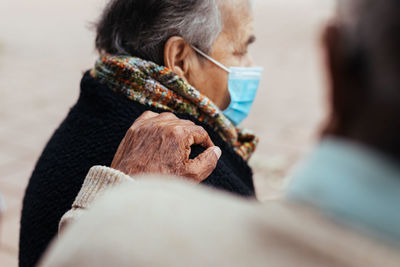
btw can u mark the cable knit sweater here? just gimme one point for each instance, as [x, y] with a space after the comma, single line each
[90, 136]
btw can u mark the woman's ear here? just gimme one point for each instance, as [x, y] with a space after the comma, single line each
[177, 56]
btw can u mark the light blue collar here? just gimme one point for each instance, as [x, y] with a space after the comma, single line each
[352, 183]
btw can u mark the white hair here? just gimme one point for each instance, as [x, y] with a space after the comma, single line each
[141, 27]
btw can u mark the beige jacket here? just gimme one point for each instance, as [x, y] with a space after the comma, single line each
[154, 222]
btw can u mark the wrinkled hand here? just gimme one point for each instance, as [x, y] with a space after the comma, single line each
[160, 143]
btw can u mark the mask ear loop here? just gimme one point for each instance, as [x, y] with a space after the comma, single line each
[211, 59]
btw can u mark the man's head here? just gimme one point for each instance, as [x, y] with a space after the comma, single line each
[363, 59]
[164, 31]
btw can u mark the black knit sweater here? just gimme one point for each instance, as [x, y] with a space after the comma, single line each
[90, 136]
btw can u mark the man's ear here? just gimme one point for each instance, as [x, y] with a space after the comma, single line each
[177, 56]
[335, 68]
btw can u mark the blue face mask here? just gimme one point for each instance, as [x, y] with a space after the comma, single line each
[243, 83]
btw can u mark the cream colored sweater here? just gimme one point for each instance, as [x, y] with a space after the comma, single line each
[97, 181]
[154, 222]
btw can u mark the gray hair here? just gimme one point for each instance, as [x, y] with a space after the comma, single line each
[142, 27]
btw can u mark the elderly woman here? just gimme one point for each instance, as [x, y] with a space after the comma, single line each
[188, 57]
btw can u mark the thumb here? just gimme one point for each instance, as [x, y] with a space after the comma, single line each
[204, 164]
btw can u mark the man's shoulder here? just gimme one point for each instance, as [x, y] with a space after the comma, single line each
[318, 236]
[198, 221]
[278, 232]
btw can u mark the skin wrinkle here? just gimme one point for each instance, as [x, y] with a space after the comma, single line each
[230, 49]
[365, 122]
[164, 131]
[161, 150]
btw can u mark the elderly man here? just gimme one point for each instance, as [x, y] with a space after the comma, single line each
[342, 207]
[189, 57]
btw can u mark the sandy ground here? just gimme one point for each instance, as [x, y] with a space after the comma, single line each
[46, 45]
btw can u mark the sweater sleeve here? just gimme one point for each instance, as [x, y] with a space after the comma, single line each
[98, 180]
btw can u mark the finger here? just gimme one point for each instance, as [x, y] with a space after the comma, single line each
[147, 115]
[198, 136]
[179, 123]
[203, 165]
[167, 116]
[166, 119]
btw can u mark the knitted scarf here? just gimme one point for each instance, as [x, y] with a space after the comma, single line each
[156, 86]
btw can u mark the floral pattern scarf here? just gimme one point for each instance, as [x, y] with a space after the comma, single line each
[157, 86]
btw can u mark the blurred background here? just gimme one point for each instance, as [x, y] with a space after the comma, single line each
[45, 46]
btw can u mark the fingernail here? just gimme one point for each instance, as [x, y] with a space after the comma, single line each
[217, 151]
